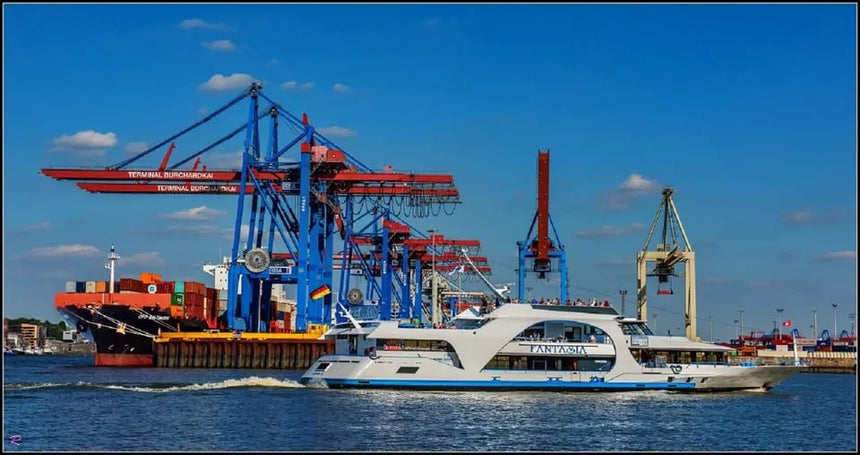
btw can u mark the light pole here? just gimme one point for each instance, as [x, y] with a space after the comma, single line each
[814, 324]
[623, 292]
[834, 319]
[433, 312]
[779, 313]
[738, 335]
[741, 329]
[655, 323]
[710, 331]
[851, 318]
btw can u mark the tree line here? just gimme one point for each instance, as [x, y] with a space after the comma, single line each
[52, 330]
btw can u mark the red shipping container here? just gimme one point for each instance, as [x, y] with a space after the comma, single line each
[194, 299]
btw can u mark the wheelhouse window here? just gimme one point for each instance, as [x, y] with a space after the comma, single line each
[563, 331]
[635, 328]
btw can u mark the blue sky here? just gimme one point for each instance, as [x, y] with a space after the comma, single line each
[748, 111]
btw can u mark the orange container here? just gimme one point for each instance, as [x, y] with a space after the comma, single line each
[132, 300]
[176, 311]
[101, 286]
[150, 278]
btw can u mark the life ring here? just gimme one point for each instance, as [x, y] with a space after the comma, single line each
[81, 327]
[676, 369]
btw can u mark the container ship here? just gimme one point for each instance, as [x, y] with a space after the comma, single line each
[123, 317]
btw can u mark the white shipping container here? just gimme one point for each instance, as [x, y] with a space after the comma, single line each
[70, 286]
[68, 335]
[91, 286]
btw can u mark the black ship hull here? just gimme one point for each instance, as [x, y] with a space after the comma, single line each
[124, 335]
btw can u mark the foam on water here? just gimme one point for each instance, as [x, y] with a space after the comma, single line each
[252, 381]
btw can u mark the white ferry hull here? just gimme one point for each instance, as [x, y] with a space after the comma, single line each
[382, 372]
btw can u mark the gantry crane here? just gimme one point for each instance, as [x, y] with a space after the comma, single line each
[300, 201]
[665, 257]
[541, 247]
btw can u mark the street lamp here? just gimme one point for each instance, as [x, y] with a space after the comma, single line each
[739, 329]
[834, 319]
[433, 312]
[779, 327]
[851, 318]
[741, 324]
[655, 324]
[623, 292]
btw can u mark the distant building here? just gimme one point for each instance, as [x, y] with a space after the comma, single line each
[33, 336]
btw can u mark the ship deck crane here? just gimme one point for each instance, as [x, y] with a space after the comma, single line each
[668, 253]
[541, 247]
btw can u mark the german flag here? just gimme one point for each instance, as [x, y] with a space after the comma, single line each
[320, 292]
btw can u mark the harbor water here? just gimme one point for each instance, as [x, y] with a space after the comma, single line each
[66, 404]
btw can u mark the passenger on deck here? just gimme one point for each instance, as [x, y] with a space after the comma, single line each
[606, 303]
[567, 302]
[542, 301]
[580, 302]
[592, 339]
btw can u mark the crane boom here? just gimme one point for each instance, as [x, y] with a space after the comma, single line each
[481, 275]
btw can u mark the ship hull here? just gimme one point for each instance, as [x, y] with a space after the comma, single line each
[124, 334]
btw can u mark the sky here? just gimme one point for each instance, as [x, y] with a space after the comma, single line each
[748, 111]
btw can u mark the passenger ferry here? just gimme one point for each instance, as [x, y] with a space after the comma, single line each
[521, 346]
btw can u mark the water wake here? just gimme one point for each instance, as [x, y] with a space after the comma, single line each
[253, 381]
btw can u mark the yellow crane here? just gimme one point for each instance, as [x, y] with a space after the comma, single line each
[665, 257]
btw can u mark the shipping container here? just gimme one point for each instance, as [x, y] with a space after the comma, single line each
[71, 286]
[179, 287]
[150, 278]
[177, 299]
[91, 287]
[176, 311]
[165, 287]
[133, 300]
[194, 299]
[101, 286]
[193, 287]
[80, 286]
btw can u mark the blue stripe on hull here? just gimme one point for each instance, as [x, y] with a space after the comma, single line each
[506, 385]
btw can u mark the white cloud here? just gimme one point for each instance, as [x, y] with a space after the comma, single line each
[633, 187]
[220, 45]
[611, 230]
[289, 85]
[635, 182]
[338, 87]
[66, 250]
[34, 227]
[307, 86]
[798, 217]
[839, 256]
[209, 230]
[615, 261]
[717, 280]
[196, 213]
[133, 148]
[336, 131]
[200, 23]
[226, 160]
[85, 143]
[219, 82]
[151, 258]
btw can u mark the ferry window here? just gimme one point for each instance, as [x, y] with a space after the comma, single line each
[323, 366]
[407, 370]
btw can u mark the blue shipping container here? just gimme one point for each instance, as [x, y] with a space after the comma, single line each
[81, 286]
[179, 287]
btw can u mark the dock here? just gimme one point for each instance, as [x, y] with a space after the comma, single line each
[818, 361]
[241, 350]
